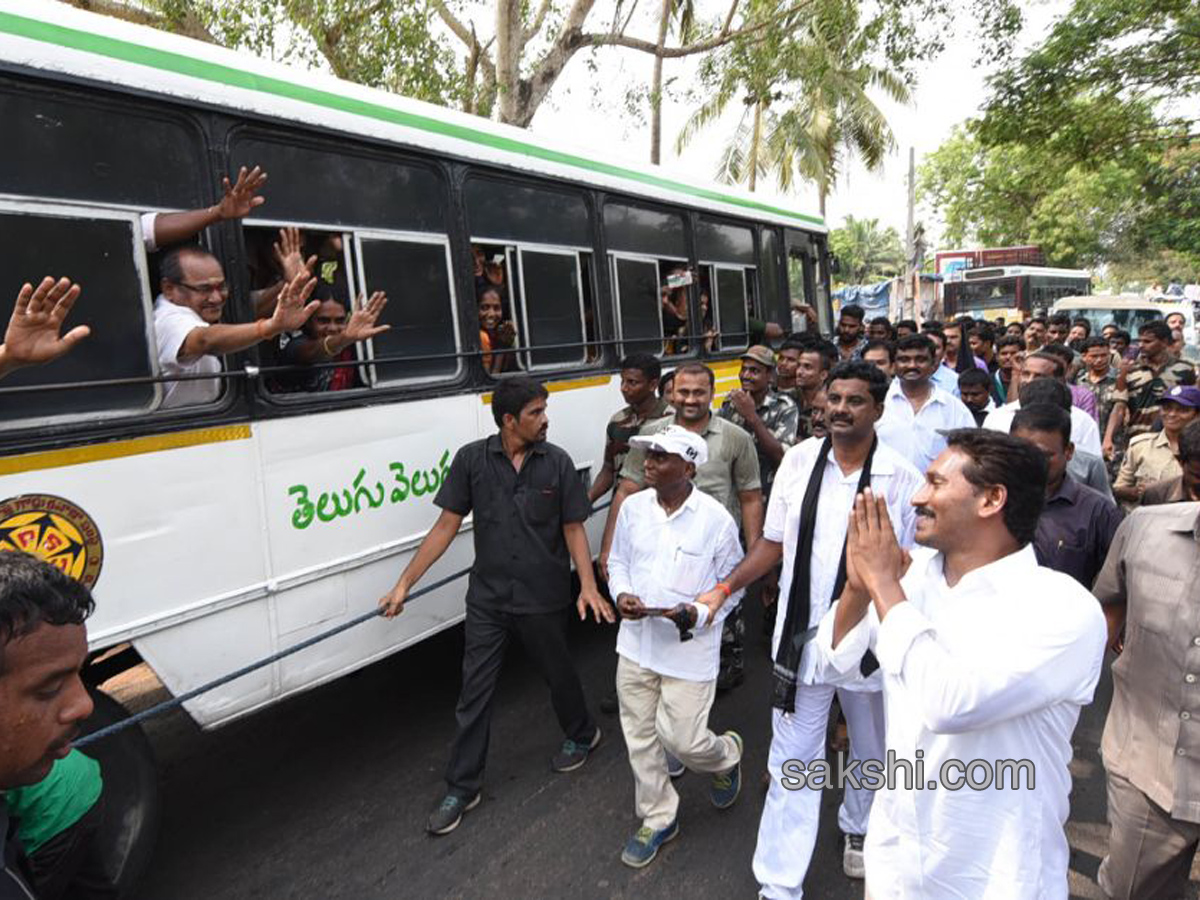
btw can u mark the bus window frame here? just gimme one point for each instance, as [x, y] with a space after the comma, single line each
[715, 302]
[616, 255]
[368, 346]
[513, 252]
[11, 203]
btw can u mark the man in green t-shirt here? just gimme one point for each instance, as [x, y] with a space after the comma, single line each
[57, 822]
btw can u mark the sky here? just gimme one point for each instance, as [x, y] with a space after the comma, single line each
[950, 90]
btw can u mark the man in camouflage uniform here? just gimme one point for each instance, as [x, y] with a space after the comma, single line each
[640, 376]
[771, 418]
[1140, 389]
[1099, 377]
[801, 369]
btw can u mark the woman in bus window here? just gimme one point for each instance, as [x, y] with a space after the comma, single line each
[495, 333]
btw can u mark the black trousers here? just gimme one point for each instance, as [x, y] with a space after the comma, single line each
[488, 631]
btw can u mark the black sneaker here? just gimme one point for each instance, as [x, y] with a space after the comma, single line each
[675, 766]
[449, 813]
[852, 856]
[572, 755]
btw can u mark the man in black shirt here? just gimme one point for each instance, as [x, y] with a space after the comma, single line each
[43, 645]
[530, 506]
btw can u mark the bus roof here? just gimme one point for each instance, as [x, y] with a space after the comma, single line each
[1109, 301]
[986, 272]
[57, 38]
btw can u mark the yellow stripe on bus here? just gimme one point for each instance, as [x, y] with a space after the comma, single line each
[555, 386]
[73, 456]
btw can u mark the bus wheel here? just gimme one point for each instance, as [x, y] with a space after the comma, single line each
[129, 827]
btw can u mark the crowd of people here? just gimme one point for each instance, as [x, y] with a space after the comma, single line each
[947, 524]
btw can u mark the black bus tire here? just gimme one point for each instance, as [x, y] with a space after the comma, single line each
[131, 814]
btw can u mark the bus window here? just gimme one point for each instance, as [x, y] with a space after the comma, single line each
[651, 277]
[774, 304]
[334, 268]
[498, 329]
[732, 307]
[552, 306]
[102, 251]
[414, 272]
[727, 254]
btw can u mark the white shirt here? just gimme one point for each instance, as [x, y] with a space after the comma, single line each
[995, 668]
[665, 560]
[892, 477]
[1085, 433]
[172, 324]
[914, 435]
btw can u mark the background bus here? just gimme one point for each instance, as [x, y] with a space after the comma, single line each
[1011, 292]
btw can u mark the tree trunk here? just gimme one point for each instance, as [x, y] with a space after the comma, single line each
[508, 57]
[664, 24]
[756, 143]
[821, 193]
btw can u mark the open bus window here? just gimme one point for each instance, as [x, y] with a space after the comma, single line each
[269, 263]
[727, 301]
[498, 330]
[102, 251]
[652, 303]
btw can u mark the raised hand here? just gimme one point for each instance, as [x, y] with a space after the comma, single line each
[289, 254]
[871, 545]
[242, 197]
[743, 403]
[293, 309]
[32, 337]
[361, 324]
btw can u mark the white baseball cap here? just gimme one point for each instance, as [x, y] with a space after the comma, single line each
[677, 440]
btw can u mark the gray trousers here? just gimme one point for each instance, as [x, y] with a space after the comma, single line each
[1149, 853]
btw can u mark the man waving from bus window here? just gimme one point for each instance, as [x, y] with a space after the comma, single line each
[187, 322]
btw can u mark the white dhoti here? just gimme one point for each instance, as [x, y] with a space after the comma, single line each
[787, 832]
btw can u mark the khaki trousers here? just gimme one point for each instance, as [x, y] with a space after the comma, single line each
[1149, 853]
[658, 711]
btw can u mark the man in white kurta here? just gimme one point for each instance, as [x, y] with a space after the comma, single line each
[787, 832]
[985, 656]
[669, 544]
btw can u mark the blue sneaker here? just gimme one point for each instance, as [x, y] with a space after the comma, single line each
[727, 785]
[643, 846]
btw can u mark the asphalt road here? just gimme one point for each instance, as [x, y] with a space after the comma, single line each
[325, 796]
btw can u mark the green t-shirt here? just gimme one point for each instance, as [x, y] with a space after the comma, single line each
[48, 808]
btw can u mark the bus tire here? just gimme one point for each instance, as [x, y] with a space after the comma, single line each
[130, 822]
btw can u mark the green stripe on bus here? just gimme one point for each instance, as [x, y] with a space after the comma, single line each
[115, 48]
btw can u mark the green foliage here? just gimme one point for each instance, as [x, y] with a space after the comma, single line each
[867, 252]
[1086, 146]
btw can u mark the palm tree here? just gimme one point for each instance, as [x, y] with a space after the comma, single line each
[681, 13]
[834, 116]
[866, 251]
[751, 69]
[818, 61]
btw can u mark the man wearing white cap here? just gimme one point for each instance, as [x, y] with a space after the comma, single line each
[669, 545]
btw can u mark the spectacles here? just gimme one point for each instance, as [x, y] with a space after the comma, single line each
[221, 288]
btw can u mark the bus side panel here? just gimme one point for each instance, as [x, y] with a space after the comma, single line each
[178, 528]
[348, 498]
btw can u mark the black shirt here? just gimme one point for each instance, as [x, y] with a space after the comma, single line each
[15, 877]
[521, 559]
[1075, 530]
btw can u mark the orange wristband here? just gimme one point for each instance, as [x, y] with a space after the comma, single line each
[723, 588]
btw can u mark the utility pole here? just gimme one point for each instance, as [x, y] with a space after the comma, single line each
[910, 250]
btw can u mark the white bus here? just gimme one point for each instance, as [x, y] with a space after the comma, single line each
[215, 535]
